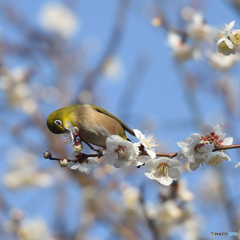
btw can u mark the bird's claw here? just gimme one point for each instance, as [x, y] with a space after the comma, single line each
[100, 152]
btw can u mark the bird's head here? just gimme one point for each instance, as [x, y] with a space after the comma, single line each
[56, 122]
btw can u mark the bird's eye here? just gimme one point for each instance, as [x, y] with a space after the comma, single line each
[58, 122]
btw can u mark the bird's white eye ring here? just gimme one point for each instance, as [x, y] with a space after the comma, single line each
[58, 122]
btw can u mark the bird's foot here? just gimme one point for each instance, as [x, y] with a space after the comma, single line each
[98, 150]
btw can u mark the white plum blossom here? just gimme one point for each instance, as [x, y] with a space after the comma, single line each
[225, 45]
[25, 172]
[58, 18]
[163, 170]
[216, 134]
[113, 68]
[198, 30]
[32, 229]
[84, 166]
[181, 50]
[122, 153]
[221, 62]
[219, 138]
[198, 148]
[148, 141]
[194, 150]
[235, 37]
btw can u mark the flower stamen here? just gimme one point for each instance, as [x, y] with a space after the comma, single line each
[150, 140]
[121, 151]
[215, 161]
[163, 169]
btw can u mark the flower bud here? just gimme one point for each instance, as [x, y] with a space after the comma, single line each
[76, 129]
[63, 162]
[77, 147]
[47, 155]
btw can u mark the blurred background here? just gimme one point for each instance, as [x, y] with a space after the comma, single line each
[153, 64]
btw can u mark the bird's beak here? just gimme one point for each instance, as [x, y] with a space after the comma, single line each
[66, 130]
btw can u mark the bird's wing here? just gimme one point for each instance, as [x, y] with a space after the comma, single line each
[125, 127]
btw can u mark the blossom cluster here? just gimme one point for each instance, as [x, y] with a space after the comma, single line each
[198, 149]
[228, 40]
[122, 153]
[198, 31]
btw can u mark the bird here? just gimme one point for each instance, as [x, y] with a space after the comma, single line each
[94, 123]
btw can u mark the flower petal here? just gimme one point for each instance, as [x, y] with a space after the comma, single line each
[174, 173]
[113, 141]
[174, 163]
[238, 164]
[180, 155]
[136, 148]
[70, 127]
[185, 142]
[116, 165]
[228, 141]
[160, 160]
[84, 168]
[218, 129]
[215, 160]
[166, 181]
[194, 166]
[139, 161]
[229, 44]
[209, 147]
[206, 129]
[231, 24]
[150, 164]
[110, 157]
[122, 164]
[151, 153]
[220, 50]
[92, 162]
[221, 40]
[149, 175]
[192, 159]
[138, 134]
[73, 165]
[195, 136]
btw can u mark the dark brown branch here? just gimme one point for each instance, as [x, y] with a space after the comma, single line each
[171, 155]
[225, 147]
[82, 156]
[78, 158]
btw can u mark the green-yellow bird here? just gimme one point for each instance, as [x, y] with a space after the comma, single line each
[94, 123]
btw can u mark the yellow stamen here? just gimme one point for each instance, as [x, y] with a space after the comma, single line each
[121, 151]
[215, 161]
[163, 169]
[150, 140]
